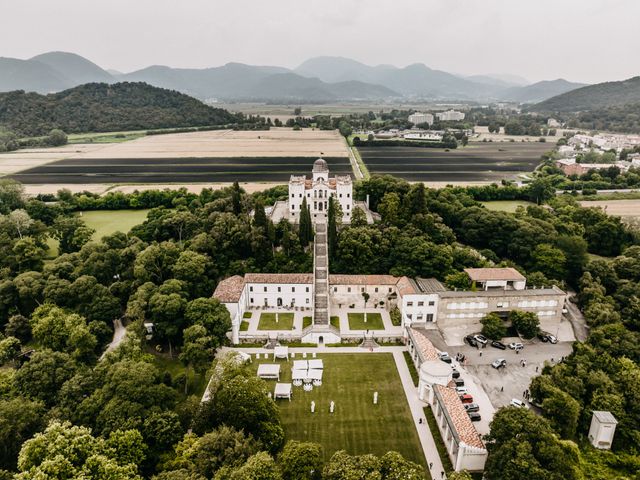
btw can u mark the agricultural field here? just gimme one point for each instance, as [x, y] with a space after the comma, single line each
[477, 162]
[176, 170]
[357, 425]
[627, 210]
[194, 157]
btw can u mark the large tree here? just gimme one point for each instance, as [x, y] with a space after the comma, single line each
[522, 446]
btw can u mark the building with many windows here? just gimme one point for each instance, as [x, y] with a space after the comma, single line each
[422, 302]
[319, 189]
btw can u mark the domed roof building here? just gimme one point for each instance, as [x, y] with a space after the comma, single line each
[318, 190]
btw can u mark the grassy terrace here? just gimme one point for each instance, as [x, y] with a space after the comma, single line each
[374, 321]
[508, 206]
[268, 321]
[105, 222]
[357, 425]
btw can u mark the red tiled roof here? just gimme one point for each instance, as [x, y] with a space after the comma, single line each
[296, 278]
[362, 280]
[427, 350]
[467, 433]
[487, 274]
[229, 289]
[406, 286]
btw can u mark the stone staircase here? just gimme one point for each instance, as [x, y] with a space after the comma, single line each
[321, 277]
[369, 342]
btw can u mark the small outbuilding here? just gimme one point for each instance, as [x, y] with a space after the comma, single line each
[603, 427]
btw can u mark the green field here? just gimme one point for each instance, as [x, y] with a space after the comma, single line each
[107, 137]
[268, 321]
[106, 222]
[374, 321]
[506, 205]
[356, 425]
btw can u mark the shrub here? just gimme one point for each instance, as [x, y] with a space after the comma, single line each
[493, 327]
[526, 323]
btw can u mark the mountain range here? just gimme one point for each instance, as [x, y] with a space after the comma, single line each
[594, 97]
[317, 80]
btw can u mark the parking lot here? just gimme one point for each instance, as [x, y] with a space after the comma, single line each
[501, 385]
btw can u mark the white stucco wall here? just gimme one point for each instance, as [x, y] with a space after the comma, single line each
[298, 295]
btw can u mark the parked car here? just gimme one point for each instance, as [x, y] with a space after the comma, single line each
[547, 337]
[497, 344]
[472, 407]
[517, 403]
[480, 339]
[459, 382]
[499, 363]
[471, 341]
[516, 346]
[455, 374]
[466, 398]
[474, 416]
[444, 356]
[462, 390]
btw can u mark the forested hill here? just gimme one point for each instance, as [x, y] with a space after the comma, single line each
[100, 107]
[594, 97]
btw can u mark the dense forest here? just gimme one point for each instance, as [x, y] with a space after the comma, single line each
[593, 97]
[126, 415]
[100, 107]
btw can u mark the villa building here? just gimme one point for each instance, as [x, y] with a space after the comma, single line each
[317, 191]
[464, 444]
[422, 302]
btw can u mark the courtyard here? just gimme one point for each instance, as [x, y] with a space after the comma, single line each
[357, 425]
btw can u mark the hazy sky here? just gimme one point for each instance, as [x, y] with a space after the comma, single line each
[580, 40]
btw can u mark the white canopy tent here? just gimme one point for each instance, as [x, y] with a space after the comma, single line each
[283, 390]
[270, 371]
[316, 364]
[281, 352]
[314, 374]
[300, 365]
[298, 374]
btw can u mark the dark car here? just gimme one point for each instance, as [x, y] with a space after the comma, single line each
[471, 341]
[547, 337]
[497, 344]
[459, 382]
[475, 416]
[444, 356]
[455, 373]
[472, 407]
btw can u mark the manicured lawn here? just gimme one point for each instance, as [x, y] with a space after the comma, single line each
[105, 222]
[247, 315]
[506, 205]
[412, 368]
[374, 321]
[335, 321]
[356, 425]
[244, 326]
[268, 321]
[437, 438]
